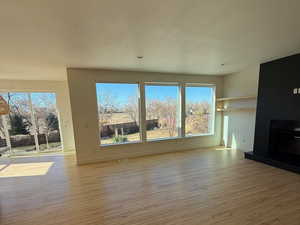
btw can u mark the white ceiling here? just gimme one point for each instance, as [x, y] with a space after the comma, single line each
[40, 38]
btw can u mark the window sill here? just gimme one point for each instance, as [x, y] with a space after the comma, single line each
[198, 135]
[116, 144]
[112, 146]
[163, 139]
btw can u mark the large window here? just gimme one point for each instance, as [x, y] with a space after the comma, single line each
[153, 111]
[162, 111]
[118, 112]
[199, 110]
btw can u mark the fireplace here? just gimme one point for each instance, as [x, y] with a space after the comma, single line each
[285, 139]
[277, 127]
[283, 147]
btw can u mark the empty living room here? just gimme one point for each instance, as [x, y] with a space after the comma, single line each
[149, 112]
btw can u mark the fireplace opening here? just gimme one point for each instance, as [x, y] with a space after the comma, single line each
[285, 139]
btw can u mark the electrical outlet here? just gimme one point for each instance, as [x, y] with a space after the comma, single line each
[295, 91]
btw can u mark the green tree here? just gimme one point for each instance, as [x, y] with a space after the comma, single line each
[52, 122]
[18, 125]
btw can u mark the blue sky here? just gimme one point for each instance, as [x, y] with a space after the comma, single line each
[42, 99]
[197, 94]
[121, 92]
[39, 99]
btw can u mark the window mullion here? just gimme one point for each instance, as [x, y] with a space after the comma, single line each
[182, 110]
[142, 111]
[33, 121]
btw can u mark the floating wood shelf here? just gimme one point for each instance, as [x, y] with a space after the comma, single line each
[236, 98]
[236, 109]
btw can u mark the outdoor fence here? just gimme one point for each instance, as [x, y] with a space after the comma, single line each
[27, 140]
[126, 128]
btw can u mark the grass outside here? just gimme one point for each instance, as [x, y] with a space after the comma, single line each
[25, 150]
[194, 125]
[151, 134]
[116, 118]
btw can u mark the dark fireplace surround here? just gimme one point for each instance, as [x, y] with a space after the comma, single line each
[277, 128]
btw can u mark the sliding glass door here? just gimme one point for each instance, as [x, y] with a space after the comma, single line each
[31, 126]
[46, 121]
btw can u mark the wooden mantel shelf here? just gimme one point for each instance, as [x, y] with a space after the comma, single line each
[236, 98]
[221, 102]
[236, 109]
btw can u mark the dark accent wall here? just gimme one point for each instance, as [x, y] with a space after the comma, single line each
[276, 100]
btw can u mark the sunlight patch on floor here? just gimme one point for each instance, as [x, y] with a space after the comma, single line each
[222, 148]
[25, 169]
[2, 167]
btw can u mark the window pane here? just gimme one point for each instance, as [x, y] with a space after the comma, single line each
[20, 126]
[118, 111]
[162, 111]
[199, 110]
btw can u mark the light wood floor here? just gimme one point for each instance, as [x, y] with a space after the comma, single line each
[195, 187]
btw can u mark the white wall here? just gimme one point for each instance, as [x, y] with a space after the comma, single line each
[238, 127]
[82, 86]
[63, 102]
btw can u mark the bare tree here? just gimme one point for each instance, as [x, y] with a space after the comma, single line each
[2, 128]
[198, 116]
[132, 108]
[107, 105]
[19, 106]
[166, 113]
[43, 106]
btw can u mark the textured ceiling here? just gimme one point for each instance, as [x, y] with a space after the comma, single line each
[39, 39]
